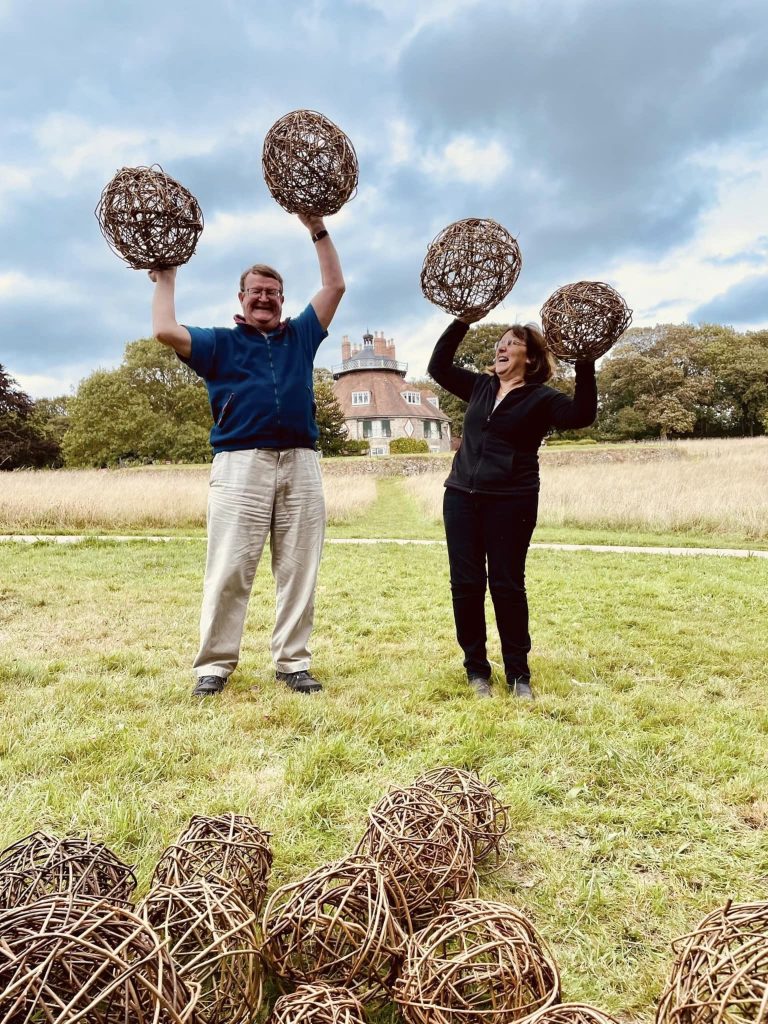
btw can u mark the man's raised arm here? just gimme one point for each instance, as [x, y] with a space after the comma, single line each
[164, 325]
[328, 298]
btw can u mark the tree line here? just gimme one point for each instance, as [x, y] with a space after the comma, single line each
[668, 381]
[657, 382]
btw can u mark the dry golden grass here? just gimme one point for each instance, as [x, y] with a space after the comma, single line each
[708, 487]
[125, 499]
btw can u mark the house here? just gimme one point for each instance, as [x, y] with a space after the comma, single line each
[379, 404]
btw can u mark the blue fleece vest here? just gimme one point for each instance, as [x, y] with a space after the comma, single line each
[259, 386]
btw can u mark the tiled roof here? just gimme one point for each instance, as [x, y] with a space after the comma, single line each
[387, 402]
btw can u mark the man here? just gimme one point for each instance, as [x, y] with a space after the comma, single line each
[265, 478]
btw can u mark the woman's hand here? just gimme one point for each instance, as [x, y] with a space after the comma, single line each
[471, 316]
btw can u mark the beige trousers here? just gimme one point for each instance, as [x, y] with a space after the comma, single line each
[255, 494]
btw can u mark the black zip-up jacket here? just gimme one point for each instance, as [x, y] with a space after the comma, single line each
[499, 446]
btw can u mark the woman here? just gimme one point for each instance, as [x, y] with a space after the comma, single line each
[491, 495]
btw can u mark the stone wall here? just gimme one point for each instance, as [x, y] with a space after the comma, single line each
[412, 465]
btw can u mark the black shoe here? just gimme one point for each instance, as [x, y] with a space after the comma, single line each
[207, 686]
[480, 685]
[299, 682]
[520, 686]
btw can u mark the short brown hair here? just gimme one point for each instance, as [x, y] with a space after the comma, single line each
[264, 271]
[541, 365]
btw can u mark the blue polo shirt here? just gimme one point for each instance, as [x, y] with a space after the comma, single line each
[259, 385]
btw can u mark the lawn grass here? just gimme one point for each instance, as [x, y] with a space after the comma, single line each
[637, 781]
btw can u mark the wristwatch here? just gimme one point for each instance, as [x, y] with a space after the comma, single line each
[319, 234]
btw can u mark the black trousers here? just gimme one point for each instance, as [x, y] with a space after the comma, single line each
[488, 538]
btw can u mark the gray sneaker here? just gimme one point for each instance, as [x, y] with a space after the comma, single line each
[480, 685]
[520, 686]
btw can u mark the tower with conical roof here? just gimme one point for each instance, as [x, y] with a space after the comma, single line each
[379, 404]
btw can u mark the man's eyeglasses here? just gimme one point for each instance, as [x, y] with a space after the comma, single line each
[268, 293]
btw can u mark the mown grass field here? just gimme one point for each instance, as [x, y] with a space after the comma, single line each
[638, 781]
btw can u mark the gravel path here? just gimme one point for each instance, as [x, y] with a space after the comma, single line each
[19, 538]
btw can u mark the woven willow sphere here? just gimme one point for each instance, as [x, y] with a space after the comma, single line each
[476, 963]
[309, 164]
[571, 1013]
[41, 864]
[583, 320]
[80, 960]
[318, 1004]
[229, 849]
[470, 266]
[213, 939]
[425, 848]
[473, 802]
[720, 975]
[338, 925]
[149, 219]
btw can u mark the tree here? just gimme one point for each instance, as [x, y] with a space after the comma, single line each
[153, 408]
[22, 442]
[51, 418]
[738, 364]
[653, 384]
[329, 415]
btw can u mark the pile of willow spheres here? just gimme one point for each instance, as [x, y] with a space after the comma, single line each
[397, 922]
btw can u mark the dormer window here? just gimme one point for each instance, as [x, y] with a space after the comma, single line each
[361, 398]
[412, 397]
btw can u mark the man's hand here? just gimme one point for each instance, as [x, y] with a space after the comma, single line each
[312, 222]
[331, 277]
[166, 274]
[164, 325]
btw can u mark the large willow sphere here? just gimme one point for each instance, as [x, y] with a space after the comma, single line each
[213, 939]
[338, 926]
[720, 974]
[424, 846]
[474, 803]
[41, 864]
[470, 266]
[80, 960]
[309, 164]
[149, 219]
[476, 963]
[229, 849]
[571, 1013]
[318, 1004]
[583, 320]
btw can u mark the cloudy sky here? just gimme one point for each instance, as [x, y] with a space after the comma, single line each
[620, 140]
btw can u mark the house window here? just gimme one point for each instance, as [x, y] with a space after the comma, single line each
[432, 428]
[434, 400]
[377, 428]
[361, 398]
[412, 397]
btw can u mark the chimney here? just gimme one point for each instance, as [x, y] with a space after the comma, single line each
[379, 344]
[345, 348]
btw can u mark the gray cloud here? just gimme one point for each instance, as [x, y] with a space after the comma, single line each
[605, 101]
[601, 106]
[744, 303]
